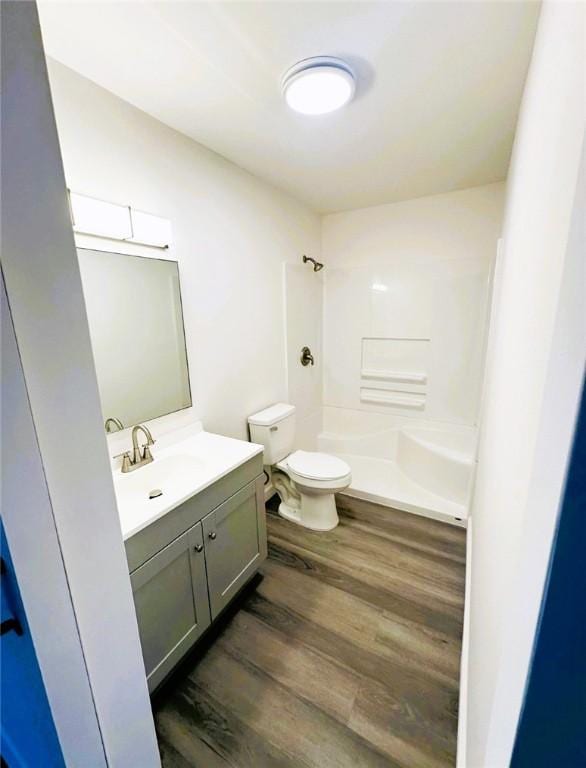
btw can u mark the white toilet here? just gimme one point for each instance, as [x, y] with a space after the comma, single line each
[305, 481]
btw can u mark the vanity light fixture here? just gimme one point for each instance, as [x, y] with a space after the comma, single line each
[90, 216]
[379, 287]
[318, 85]
[149, 229]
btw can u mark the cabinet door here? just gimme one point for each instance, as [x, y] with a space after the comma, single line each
[171, 600]
[235, 544]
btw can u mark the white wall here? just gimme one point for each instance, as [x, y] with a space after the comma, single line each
[304, 309]
[416, 270]
[232, 233]
[517, 491]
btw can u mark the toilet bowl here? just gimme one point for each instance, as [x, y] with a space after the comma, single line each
[304, 480]
[306, 483]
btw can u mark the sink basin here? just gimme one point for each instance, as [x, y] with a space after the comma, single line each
[173, 475]
[180, 469]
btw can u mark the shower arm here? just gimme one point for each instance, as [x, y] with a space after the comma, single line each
[316, 264]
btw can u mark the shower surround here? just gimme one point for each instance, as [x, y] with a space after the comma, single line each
[406, 293]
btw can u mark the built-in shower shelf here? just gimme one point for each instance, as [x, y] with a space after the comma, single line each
[393, 372]
[385, 397]
[403, 376]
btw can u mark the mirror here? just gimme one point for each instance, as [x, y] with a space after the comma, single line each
[136, 327]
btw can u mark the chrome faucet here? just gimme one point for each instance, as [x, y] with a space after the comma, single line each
[139, 457]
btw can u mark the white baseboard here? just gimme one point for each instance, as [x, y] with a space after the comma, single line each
[463, 701]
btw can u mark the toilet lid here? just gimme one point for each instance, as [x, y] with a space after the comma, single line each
[317, 466]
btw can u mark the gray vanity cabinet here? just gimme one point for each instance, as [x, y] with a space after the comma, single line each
[235, 544]
[186, 566]
[171, 600]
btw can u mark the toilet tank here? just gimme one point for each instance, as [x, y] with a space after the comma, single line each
[274, 428]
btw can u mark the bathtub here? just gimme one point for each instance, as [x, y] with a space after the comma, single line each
[410, 464]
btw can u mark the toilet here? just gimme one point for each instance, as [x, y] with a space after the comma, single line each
[305, 481]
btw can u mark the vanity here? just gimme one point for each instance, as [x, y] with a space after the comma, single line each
[191, 549]
[191, 503]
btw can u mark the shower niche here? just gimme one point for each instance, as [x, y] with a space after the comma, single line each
[394, 372]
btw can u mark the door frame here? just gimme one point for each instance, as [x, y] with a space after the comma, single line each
[551, 724]
[59, 506]
[39, 569]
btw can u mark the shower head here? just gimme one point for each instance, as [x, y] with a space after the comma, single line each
[316, 264]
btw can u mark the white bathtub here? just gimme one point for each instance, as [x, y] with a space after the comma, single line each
[414, 465]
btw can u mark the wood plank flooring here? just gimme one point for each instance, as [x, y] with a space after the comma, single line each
[346, 653]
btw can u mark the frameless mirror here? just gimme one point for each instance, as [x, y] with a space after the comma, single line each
[136, 326]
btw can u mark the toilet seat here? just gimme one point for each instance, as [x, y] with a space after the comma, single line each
[317, 466]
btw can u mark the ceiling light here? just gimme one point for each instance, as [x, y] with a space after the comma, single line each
[318, 85]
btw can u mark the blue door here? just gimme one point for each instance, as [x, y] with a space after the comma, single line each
[27, 732]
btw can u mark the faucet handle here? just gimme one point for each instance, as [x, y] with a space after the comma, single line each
[126, 460]
[146, 453]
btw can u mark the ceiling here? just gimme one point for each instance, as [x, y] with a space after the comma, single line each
[439, 86]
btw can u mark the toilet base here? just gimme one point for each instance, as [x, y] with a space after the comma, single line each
[310, 507]
[318, 513]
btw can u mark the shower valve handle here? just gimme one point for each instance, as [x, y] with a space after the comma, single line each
[306, 356]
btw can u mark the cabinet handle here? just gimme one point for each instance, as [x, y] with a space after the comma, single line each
[212, 535]
[198, 547]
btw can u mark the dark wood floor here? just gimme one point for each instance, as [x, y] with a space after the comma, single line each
[345, 654]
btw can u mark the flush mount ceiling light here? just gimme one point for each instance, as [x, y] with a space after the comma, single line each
[318, 85]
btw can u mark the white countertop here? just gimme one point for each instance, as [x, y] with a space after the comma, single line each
[180, 469]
